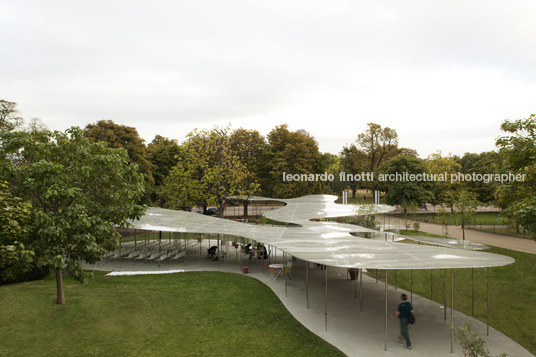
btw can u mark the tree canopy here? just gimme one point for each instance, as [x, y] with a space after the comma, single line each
[208, 172]
[518, 147]
[295, 153]
[162, 154]
[14, 221]
[9, 118]
[122, 136]
[372, 147]
[406, 192]
[77, 191]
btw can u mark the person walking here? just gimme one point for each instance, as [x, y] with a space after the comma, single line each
[404, 309]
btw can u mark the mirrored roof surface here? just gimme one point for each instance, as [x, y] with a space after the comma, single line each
[327, 243]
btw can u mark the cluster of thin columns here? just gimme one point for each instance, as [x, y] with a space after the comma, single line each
[411, 292]
[386, 292]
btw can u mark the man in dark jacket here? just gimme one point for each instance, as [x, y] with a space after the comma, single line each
[404, 308]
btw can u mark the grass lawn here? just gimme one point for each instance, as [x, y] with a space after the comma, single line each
[505, 231]
[512, 293]
[484, 218]
[410, 232]
[186, 314]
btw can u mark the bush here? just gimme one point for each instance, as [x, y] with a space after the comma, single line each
[471, 343]
[33, 274]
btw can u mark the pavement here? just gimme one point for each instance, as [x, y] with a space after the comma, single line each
[526, 245]
[354, 332]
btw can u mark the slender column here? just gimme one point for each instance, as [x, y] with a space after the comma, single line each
[445, 297]
[385, 337]
[487, 315]
[326, 295]
[286, 281]
[355, 284]
[307, 283]
[361, 290]
[452, 311]
[411, 285]
[472, 291]
[431, 282]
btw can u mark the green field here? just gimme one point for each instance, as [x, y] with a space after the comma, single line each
[505, 231]
[512, 293]
[188, 314]
[484, 218]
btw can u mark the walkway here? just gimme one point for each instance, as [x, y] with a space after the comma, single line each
[526, 245]
[353, 332]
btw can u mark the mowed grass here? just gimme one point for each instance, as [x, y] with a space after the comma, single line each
[185, 314]
[484, 218]
[512, 293]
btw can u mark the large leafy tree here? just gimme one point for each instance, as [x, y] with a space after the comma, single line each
[9, 116]
[406, 193]
[353, 161]
[483, 163]
[14, 222]
[518, 147]
[293, 152]
[208, 172]
[77, 190]
[251, 148]
[122, 136]
[162, 153]
[372, 147]
[445, 192]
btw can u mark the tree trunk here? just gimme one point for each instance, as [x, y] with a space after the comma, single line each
[59, 287]
[221, 209]
[245, 209]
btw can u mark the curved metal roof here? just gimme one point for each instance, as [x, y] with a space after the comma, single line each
[327, 243]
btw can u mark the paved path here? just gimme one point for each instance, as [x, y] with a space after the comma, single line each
[353, 332]
[520, 244]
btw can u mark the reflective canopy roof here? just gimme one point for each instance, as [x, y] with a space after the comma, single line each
[327, 243]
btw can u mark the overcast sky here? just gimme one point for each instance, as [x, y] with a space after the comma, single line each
[444, 74]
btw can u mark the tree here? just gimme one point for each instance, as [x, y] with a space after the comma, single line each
[293, 153]
[9, 119]
[332, 164]
[445, 192]
[484, 163]
[77, 190]
[353, 161]
[466, 205]
[14, 219]
[122, 136]
[162, 154]
[208, 172]
[251, 148]
[443, 216]
[372, 147]
[518, 148]
[406, 192]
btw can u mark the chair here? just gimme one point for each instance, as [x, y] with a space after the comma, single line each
[287, 270]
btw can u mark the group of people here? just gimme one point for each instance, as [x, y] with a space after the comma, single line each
[260, 248]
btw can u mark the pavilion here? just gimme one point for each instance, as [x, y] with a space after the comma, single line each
[333, 244]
